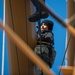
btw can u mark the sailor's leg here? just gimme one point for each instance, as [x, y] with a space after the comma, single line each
[39, 13]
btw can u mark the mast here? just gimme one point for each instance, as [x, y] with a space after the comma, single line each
[71, 46]
[16, 16]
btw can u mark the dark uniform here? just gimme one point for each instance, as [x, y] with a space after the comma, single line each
[46, 52]
[39, 12]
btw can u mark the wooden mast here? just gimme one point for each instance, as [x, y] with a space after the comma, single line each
[70, 68]
[16, 15]
[26, 31]
[71, 47]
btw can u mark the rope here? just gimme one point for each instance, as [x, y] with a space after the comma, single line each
[14, 30]
[39, 23]
[66, 49]
[74, 27]
[39, 30]
[67, 43]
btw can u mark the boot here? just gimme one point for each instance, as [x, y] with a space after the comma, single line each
[37, 16]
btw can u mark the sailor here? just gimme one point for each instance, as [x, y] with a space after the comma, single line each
[46, 52]
[40, 13]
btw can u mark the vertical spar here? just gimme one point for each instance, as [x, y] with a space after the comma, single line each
[3, 45]
[71, 47]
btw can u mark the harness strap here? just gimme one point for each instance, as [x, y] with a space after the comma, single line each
[43, 42]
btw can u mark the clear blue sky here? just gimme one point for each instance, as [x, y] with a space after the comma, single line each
[59, 7]
[1, 17]
[6, 70]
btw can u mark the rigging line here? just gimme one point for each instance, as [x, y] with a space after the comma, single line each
[66, 48]
[27, 35]
[39, 24]
[39, 30]
[3, 45]
[68, 42]
[64, 54]
[14, 30]
[74, 27]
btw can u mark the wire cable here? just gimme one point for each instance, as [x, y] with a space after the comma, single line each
[66, 49]
[3, 44]
[73, 25]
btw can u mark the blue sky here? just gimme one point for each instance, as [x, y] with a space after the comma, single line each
[6, 70]
[59, 7]
[1, 17]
